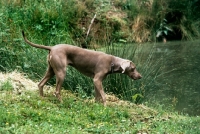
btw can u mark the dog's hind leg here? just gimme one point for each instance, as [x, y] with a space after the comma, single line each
[60, 76]
[58, 62]
[49, 74]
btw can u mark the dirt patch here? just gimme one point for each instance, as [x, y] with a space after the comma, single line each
[19, 81]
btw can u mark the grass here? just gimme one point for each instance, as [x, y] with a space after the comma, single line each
[7, 85]
[26, 112]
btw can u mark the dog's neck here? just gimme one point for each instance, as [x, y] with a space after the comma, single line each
[116, 65]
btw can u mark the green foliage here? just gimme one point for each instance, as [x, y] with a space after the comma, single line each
[137, 97]
[6, 86]
[7, 56]
[67, 20]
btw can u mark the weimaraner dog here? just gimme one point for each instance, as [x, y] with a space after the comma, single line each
[96, 65]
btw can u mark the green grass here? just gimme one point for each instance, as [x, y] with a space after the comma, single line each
[28, 113]
[7, 85]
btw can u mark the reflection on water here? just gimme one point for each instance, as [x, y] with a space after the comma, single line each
[171, 73]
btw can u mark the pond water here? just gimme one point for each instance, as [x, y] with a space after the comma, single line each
[171, 74]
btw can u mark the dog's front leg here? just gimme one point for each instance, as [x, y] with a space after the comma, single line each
[99, 93]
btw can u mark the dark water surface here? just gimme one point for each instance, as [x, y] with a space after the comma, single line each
[171, 73]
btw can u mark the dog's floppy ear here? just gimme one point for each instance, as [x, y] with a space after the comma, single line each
[124, 65]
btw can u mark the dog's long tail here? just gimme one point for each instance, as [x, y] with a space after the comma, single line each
[35, 45]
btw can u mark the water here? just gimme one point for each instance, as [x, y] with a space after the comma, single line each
[171, 73]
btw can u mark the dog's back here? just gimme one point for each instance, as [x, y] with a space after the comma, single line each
[83, 60]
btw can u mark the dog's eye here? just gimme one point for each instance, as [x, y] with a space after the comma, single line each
[132, 69]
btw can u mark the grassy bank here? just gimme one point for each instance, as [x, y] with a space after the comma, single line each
[170, 71]
[23, 111]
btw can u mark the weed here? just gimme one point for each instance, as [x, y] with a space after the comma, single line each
[6, 86]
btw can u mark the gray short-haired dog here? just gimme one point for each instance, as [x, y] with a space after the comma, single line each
[96, 65]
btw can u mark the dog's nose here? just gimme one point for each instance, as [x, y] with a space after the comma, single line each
[136, 77]
[139, 76]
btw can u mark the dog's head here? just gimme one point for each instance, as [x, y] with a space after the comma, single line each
[129, 68]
